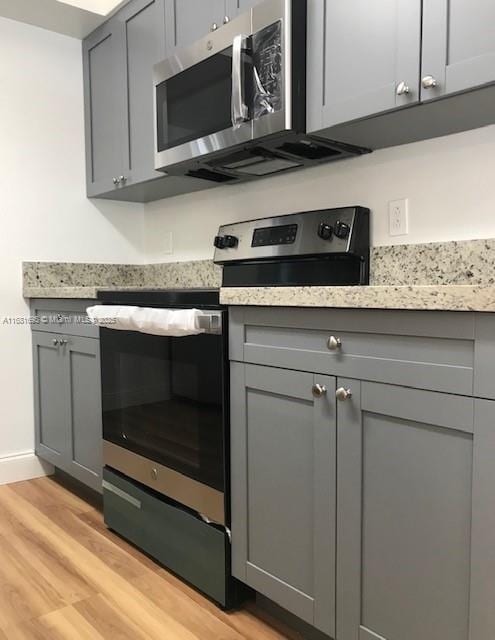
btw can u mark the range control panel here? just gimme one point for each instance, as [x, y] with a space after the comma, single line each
[309, 233]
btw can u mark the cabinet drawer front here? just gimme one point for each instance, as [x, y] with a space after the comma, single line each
[396, 353]
[63, 316]
[166, 533]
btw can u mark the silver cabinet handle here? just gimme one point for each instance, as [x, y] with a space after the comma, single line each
[214, 27]
[334, 343]
[429, 82]
[403, 89]
[343, 394]
[154, 474]
[55, 342]
[123, 179]
[115, 181]
[226, 20]
[63, 342]
[319, 390]
[240, 112]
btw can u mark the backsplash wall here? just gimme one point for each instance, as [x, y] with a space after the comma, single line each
[449, 183]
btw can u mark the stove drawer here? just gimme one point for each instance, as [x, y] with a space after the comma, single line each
[174, 537]
[425, 350]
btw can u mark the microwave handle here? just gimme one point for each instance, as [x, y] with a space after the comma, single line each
[240, 111]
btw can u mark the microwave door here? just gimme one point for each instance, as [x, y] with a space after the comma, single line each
[195, 100]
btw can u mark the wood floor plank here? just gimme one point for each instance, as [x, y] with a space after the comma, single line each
[24, 593]
[64, 576]
[69, 624]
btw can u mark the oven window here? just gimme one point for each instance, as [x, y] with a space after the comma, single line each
[163, 399]
[197, 102]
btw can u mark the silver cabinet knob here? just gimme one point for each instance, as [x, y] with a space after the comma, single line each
[55, 342]
[343, 394]
[123, 179]
[154, 474]
[115, 181]
[226, 20]
[334, 343]
[63, 342]
[214, 27]
[429, 82]
[403, 89]
[319, 390]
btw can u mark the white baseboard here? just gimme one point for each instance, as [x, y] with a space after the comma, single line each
[23, 466]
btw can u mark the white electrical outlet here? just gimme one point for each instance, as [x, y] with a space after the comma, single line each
[398, 217]
[168, 245]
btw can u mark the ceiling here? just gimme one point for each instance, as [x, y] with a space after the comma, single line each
[76, 18]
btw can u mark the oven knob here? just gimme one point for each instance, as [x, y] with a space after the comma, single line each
[325, 231]
[342, 230]
[225, 242]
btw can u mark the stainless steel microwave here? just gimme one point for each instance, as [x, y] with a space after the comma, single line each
[233, 105]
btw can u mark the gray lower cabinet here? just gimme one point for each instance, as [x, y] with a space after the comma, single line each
[118, 61]
[366, 507]
[283, 488]
[68, 404]
[405, 498]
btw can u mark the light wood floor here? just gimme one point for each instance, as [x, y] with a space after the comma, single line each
[64, 576]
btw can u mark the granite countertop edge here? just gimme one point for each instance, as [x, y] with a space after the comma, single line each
[420, 297]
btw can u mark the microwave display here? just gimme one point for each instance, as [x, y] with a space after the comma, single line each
[269, 236]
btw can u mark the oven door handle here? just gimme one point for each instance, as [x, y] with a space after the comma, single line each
[240, 111]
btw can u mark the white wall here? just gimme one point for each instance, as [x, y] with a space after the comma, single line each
[44, 212]
[449, 182]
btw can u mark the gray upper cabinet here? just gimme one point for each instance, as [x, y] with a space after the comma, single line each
[192, 19]
[144, 45]
[283, 488]
[363, 58]
[458, 45]
[103, 103]
[236, 7]
[68, 404]
[118, 60]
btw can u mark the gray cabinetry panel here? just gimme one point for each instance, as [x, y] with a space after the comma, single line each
[363, 52]
[144, 45]
[396, 347]
[193, 19]
[458, 45]
[50, 393]
[484, 356]
[63, 316]
[85, 421]
[103, 105]
[67, 394]
[404, 515]
[283, 489]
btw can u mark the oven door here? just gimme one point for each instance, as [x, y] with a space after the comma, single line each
[202, 101]
[164, 412]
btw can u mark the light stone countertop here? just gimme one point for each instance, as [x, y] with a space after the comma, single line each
[421, 297]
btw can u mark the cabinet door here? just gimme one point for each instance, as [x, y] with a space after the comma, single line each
[235, 7]
[50, 398]
[104, 78]
[361, 58]
[193, 19]
[144, 45]
[84, 425]
[283, 489]
[405, 468]
[458, 45]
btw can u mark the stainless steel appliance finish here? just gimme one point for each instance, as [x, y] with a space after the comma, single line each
[232, 106]
[231, 40]
[208, 502]
[324, 247]
[302, 234]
